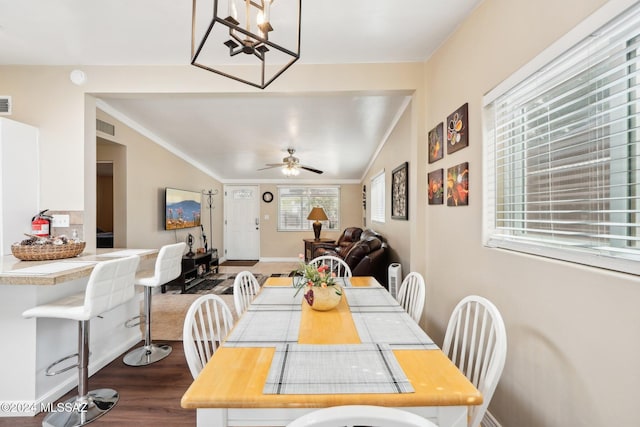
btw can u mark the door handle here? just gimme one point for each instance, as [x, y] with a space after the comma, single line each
[257, 223]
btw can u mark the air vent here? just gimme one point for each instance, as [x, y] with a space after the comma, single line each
[105, 127]
[5, 105]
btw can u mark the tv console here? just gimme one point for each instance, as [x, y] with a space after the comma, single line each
[195, 269]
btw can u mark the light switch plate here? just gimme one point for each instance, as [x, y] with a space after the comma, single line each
[60, 221]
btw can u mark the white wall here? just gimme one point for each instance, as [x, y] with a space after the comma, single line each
[149, 169]
[396, 232]
[573, 355]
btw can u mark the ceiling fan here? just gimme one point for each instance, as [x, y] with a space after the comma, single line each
[291, 165]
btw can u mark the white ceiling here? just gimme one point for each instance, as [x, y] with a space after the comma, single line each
[233, 136]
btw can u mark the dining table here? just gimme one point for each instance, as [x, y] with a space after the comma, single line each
[283, 359]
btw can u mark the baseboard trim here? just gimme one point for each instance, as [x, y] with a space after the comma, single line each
[279, 259]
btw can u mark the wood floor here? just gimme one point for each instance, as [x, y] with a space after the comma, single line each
[149, 395]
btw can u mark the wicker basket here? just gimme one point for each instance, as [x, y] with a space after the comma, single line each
[46, 252]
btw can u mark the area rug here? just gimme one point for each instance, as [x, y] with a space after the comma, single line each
[240, 263]
[219, 284]
[169, 309]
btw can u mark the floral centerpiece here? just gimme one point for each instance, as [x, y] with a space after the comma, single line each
[321, 291]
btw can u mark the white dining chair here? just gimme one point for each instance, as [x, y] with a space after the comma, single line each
[245, 288]
[476, 342]
[411, 295]
[336, 265]
[360, 415]
[206, 325]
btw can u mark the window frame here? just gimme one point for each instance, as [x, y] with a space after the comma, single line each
[378, 197]
[333, 224]
[491, 238]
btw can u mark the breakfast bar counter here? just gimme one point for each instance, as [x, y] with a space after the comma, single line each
[16, 272]
[31, 345]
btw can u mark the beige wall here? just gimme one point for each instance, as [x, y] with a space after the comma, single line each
[64, 113]
[572, 358]
[149, 169]
[395, 152]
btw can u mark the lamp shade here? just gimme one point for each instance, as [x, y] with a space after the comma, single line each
[317, 214]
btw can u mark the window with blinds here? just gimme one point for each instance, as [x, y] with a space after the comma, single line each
[377, 197]
[563, 169]
[295, 203]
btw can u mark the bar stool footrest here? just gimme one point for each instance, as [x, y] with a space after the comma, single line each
[140, 318]
[50, 373]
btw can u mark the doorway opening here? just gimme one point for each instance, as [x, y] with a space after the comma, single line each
[104, 204]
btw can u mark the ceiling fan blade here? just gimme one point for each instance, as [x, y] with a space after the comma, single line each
[271, 166]
[310, 169]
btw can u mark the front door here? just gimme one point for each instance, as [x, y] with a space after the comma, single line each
[242, 222]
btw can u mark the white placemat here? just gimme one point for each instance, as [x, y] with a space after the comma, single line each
[331, 369]
[277, 298]
[398, 330]
[264, 328]
[371, 299]
[50, 268]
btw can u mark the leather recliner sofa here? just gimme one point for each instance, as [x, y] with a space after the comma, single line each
[366, 256]
[348, 238]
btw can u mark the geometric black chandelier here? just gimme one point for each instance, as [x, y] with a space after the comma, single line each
[250, 41]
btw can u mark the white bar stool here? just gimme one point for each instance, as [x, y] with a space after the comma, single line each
[168, 267]
[110, 284]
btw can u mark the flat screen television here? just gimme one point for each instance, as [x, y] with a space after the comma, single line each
[181, 209]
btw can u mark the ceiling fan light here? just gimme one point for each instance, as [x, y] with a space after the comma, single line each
[290, 170]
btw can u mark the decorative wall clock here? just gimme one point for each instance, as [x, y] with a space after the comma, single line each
[267, 196]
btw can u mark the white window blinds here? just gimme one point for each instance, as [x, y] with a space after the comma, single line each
[377, 197]
[295, 203]
[563, 169]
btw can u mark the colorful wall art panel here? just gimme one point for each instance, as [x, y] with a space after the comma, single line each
[458, 129]
[435, 191]
[458, 185]
[436, 147]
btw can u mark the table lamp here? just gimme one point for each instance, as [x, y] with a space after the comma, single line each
[317, 214]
